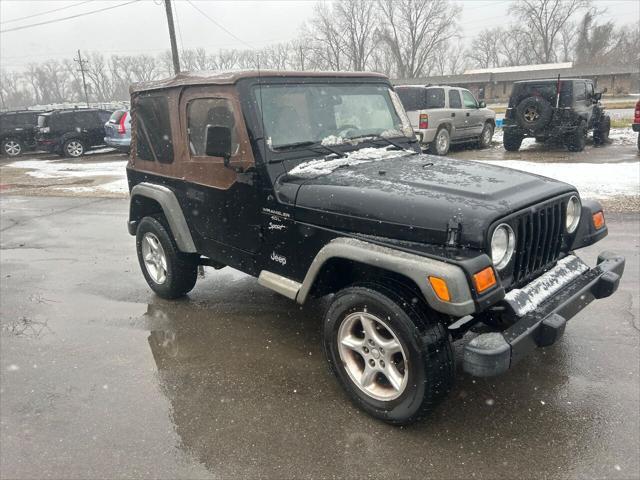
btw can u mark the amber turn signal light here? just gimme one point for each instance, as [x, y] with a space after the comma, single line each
[440, 287]
[484, 279]
[598, 220]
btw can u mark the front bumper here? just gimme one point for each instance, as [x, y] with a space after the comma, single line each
[494, 353]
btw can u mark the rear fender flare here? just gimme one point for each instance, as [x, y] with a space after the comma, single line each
[171, 209]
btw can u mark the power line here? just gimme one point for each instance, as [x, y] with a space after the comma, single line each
[67, 18]
[219, 25]
[46, 12]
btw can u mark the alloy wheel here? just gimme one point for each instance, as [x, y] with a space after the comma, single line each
[442, 142]
[75, 148]
[373, 356]
[531, 114]
[155, 260]
[12, 148]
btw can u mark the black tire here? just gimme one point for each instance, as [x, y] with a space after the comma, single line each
[12, 147]
[423, 338]
[487, 134]
[181, 268]
[74, 148]
[441, 147]
[533, 113]
[639, 142]
[601, 132]
[511, 141]
[576, 140]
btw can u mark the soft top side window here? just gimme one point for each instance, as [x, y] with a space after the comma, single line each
[153, 129]
[580, 91]
[205, 112]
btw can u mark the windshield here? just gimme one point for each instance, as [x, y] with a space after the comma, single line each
[329, 114]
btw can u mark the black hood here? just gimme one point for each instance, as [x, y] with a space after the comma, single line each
[414, 197]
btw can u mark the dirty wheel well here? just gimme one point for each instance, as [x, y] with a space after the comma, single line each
[143, 207]
[338, 273]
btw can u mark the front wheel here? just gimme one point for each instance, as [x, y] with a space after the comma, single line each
[577, 139]
[391, 357]
[169, 272]
[12, 147]
[601, 132]
[486, 135]
[442, 142]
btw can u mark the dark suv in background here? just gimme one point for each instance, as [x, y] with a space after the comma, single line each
[564, 109]
[72, 132]
[17, 131]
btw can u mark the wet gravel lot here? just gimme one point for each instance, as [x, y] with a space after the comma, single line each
[101, 379]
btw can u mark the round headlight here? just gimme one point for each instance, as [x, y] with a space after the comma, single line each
[503, 243]
[574, 209]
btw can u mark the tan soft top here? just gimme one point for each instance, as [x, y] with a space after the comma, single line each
[230, 77]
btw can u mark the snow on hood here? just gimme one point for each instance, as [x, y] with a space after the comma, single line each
[314, 168]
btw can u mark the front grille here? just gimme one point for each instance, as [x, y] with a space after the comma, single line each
[539, 238]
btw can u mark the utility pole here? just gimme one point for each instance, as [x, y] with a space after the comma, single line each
[81, 63]
[172, 36]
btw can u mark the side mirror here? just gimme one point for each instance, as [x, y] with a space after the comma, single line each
[218, 142]
[482, 104]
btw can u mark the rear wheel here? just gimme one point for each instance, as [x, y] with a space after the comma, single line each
[511, 141]
[486, 135]
[73, 148]
[577, 139]
[601, 132]
[12, 147]
[389, 352]
[169, 272]
[441, 143]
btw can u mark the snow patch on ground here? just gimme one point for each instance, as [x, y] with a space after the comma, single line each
[593, 180]
[61, 170]
[56, 169]
[314, 168]
[535, 293]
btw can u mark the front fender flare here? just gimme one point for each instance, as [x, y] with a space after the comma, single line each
[415, 267]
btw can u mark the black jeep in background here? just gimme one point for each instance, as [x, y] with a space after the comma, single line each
[17, 131]
[72, 132]
[564, 110]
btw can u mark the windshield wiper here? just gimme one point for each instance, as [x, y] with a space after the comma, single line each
[310, 145]
[379, 137]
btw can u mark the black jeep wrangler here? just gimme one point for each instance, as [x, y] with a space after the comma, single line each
[553, 109]
[71, 132]
[315, 184]
[18, 131]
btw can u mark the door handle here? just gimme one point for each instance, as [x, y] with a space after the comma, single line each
[453, 114]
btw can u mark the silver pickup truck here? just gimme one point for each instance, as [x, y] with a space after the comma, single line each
[442, 115]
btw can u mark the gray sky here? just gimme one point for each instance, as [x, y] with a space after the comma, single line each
[141, 27]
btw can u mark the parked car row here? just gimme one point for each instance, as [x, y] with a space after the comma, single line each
[67, 132]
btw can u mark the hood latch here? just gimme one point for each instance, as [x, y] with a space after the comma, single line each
[454, 230]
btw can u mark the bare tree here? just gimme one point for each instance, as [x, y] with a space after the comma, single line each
[594, 42]
[484, 50]
[328, 38]
[357, 20]
[514, 48]
[414, 30]
[542, 23]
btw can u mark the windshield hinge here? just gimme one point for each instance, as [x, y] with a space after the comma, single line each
[454, 230]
